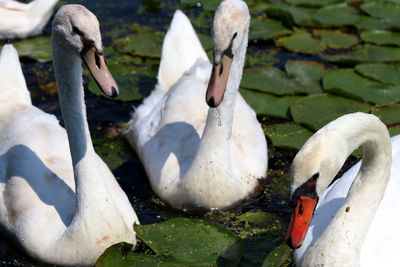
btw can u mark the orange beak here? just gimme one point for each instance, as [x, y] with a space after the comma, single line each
[98, 68]
[218, 80]
[300, 221]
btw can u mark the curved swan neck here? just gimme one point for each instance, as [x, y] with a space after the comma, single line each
[342, 240]
[68, 73]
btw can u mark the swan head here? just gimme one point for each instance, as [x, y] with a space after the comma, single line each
[313, 169]
[77, 31]
[229, 33]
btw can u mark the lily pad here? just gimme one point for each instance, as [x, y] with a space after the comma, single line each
[308, 73]
[382, 10]
[272, 80]
[369, 23]
[336, 39]
[133, 84]
[143, 44]
[385, 73]
[302, 42]
[181, 242]
[390, 115]
[347, 82]
[311, 3]
[366, 53]
[261, 57]
[317, 110]
[37, 48]
[278, 256]
[266, 104]
[337, 15]
[262, 28]
[381, 37]
[287, 135]
[292, 15]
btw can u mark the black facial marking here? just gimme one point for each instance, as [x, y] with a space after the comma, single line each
[307, 189]
[228, 51]
[76, 30]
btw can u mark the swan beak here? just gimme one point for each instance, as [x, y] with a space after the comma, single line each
[219, 78]
[300, 221]
[98, 68]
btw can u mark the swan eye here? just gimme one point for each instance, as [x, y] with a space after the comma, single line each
[76, 30]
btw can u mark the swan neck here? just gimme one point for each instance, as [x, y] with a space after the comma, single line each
[346, 232]
[68, 72]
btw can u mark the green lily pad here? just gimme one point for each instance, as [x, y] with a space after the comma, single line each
[385, 73]
[37, 48]
[369, 23]
[317, 110]
[133, 84]
[262, 28]
[390, 115]
[266, 104]
[336, 39]
[302, 42]
[366, 53]
[278, 256]
[348, 83]
[381, 37]
[292, 15]
[311, 3]
[394, 130]
[337, 15]
[307, 73]
[382, 10]
[143, 44]
[272, 80]
[287, 135]
[181, 242]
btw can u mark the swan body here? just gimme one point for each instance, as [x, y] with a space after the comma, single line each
[351, 226]
[194, 155]
[59, 201]
[21, 20]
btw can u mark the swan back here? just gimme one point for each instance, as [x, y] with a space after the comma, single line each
[12, 81]
[181, 49]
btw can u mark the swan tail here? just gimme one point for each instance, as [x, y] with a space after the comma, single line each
[12, 81]
[181, 49]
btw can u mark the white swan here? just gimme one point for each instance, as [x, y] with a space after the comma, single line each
[20, 20]
[223, 166]
[42, 165]
[350, 227]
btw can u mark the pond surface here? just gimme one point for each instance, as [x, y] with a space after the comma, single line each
[305, 66]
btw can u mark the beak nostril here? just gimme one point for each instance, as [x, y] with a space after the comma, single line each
[97, 59]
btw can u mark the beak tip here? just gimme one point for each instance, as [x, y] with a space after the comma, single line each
[114, 92]
[211, 102]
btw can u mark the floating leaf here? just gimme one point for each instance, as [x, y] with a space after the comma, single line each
[388, 114]
[302, 42]
[37, 48]
[278, 256]
[261, 57]
[382, 10]
[307, 73]
[337, 15]
[143, 44]
[266, 104]
[262, 28]
[348, 83]
[270, 79]
[336, 39]
[385, 73]
[287, 135]
[181, 242]
[317, 110]
[291, 15]
[366, 53]
[381, 37]
[368, 23]
[311, 3]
